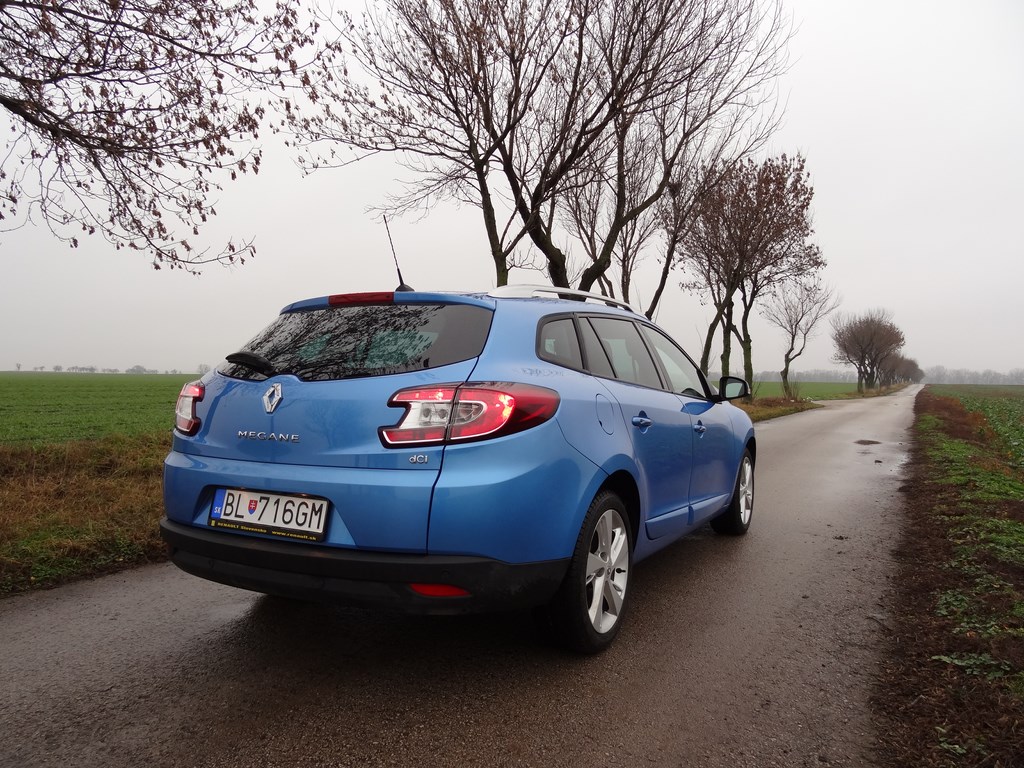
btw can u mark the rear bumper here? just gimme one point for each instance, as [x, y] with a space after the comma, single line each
[377, 579]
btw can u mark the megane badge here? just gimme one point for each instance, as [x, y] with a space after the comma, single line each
[272, 398]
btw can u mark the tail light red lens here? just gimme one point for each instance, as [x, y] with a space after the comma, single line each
[426, 417]
[185, 420]
[451, 413]
[439, 590]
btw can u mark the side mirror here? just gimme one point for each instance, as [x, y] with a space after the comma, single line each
[732, 388]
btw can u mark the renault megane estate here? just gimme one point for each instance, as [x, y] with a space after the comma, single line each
[443, 453]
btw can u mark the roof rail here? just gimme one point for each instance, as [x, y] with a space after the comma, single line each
[534, 291]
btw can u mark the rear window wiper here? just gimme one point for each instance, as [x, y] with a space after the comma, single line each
[253, 361]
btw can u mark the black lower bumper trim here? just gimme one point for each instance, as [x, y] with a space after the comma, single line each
[359, 578]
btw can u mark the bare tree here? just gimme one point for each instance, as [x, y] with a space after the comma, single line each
[751, 232]
[125, 113]
[866, 342]
[704, 102]
[545, 113]
[897, 369]
[797, 309]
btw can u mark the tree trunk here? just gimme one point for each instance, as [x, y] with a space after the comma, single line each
[747, 345]
[555, 257]
[491, 225]
[597, 270]
[533, 223]
[666, 267]
[787, 359]
[727, 331]
[709, 340]
[748, 362]
[786, 390]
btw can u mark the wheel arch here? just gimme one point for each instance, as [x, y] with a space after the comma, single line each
[623, 485]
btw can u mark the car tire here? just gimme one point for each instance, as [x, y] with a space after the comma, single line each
[735, 521]
[586, 613]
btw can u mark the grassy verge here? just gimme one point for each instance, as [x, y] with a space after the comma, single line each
[772, 407]
[79, 508]
[769, 402]
[953, 692]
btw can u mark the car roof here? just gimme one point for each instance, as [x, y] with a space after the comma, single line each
[548, 297]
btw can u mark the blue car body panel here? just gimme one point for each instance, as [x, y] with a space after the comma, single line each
[524, 507]
[373, 509]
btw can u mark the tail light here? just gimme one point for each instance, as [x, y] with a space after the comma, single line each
[453, 413]
[185, 411]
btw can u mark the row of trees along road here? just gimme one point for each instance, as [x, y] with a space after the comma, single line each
[750, 238]
[614, 129]
[871, 343]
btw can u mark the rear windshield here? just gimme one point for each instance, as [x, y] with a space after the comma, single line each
[376, 340]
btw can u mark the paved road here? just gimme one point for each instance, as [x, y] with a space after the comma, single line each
[738, 652]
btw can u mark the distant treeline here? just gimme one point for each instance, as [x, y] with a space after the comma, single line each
[138, 369]
[941, 375]
[818, 374]
[935, 375]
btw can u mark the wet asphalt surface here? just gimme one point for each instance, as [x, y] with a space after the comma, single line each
[754, 651]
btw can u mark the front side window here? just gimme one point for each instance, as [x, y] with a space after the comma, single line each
[367, 340]
[627, 352]
[683, 376]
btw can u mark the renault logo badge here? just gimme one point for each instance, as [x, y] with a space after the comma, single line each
[272, 398]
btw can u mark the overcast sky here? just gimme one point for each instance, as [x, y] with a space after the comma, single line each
[910, 114]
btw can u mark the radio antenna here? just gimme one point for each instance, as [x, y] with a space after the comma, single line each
[401, 283]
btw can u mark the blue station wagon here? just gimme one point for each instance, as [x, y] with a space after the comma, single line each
[444, 453]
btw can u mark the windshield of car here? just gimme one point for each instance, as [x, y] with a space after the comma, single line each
[363, 340]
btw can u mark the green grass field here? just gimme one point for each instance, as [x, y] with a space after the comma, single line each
[808, 390]
[57, 407]
[1003, 408]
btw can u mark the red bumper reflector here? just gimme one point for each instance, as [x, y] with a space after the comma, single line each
[439, 590]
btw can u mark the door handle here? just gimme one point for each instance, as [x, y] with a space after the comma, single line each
[642, 421]
[699, 428]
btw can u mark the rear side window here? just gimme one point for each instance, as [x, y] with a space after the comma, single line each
[368, 340]
[597, 360]
[558, 343]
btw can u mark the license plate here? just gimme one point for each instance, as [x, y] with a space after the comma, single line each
[293, 517]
